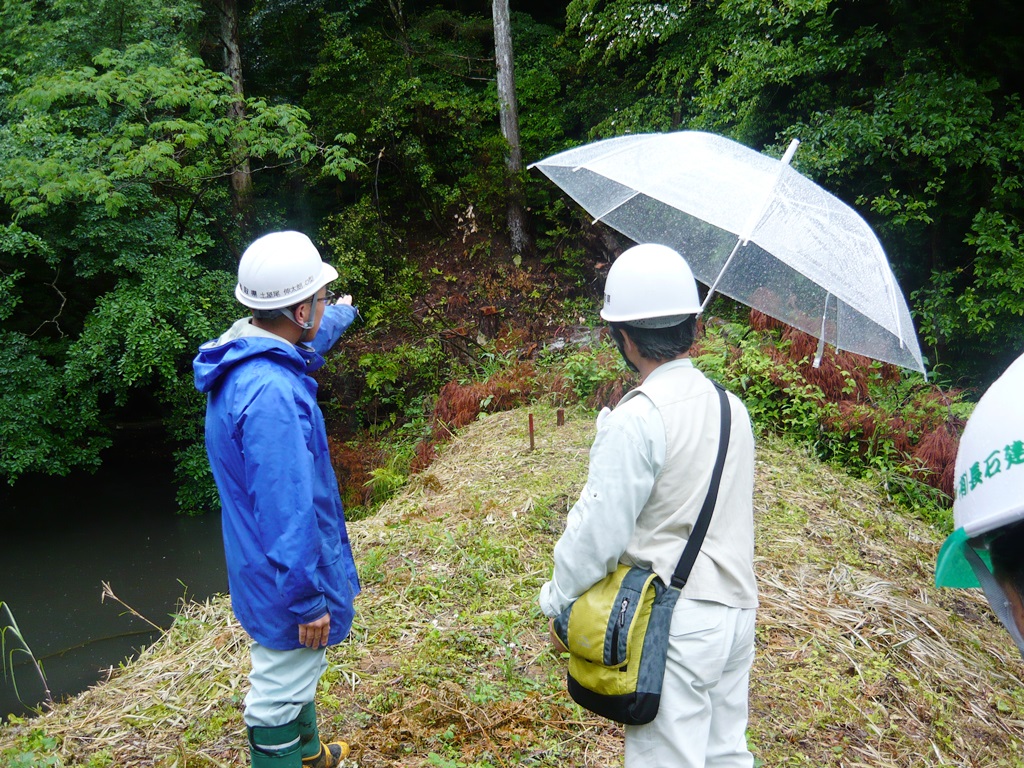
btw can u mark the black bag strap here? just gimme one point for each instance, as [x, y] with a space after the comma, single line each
[689, 556]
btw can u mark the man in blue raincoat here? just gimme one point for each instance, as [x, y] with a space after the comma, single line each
[290, 568]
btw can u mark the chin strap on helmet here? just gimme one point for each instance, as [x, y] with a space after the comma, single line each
[996, 596]
[307, 326]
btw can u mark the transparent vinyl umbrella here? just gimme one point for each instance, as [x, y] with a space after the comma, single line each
[751, 228]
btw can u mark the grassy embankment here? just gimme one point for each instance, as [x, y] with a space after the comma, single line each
[861, 662]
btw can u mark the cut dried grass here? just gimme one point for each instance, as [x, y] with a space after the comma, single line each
[153, 710]
[860, 661]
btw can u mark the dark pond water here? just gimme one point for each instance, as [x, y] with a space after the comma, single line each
[61, 538]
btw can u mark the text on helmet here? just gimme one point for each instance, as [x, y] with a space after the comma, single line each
[1000, 459]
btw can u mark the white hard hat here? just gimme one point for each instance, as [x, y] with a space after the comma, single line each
[650, 286]
[281, 269]
[989, 474]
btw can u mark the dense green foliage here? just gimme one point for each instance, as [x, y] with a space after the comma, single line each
[116, 254]
[911, 113]
[373, 126]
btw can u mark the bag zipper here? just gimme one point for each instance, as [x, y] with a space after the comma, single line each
[619, 623]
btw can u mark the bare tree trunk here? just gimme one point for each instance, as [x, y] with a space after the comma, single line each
[241, 177]
[509, 115]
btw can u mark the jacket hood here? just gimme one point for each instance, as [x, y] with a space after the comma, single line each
[244, 341]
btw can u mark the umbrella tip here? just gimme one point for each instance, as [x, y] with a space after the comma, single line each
[820, 352]
[790, 151]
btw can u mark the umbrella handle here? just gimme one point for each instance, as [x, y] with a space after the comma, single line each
[718, 278]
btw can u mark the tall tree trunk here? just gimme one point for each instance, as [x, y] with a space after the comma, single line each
[509, 115]
[241, 177]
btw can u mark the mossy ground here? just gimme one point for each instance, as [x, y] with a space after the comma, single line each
[860, 660]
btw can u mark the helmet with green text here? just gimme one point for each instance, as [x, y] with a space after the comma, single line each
[989, 493]
[650, 286]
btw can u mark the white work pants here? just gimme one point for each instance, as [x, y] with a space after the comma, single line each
[281, 682]
[702, 720]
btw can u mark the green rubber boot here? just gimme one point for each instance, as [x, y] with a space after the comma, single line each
[278, 747]
[315, 753]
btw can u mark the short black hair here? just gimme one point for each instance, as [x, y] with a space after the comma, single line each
[271, 314]
[659, 343]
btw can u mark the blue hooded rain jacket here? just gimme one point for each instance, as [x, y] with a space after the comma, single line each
[288, 555]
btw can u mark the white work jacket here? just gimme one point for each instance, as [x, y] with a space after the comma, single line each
[650, 468]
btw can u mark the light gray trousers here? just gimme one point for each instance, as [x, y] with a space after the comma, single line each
[281, 682]
[702, 720]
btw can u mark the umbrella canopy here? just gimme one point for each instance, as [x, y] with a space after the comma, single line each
[752, 228]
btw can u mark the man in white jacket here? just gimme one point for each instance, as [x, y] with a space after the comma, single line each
[650, 468]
